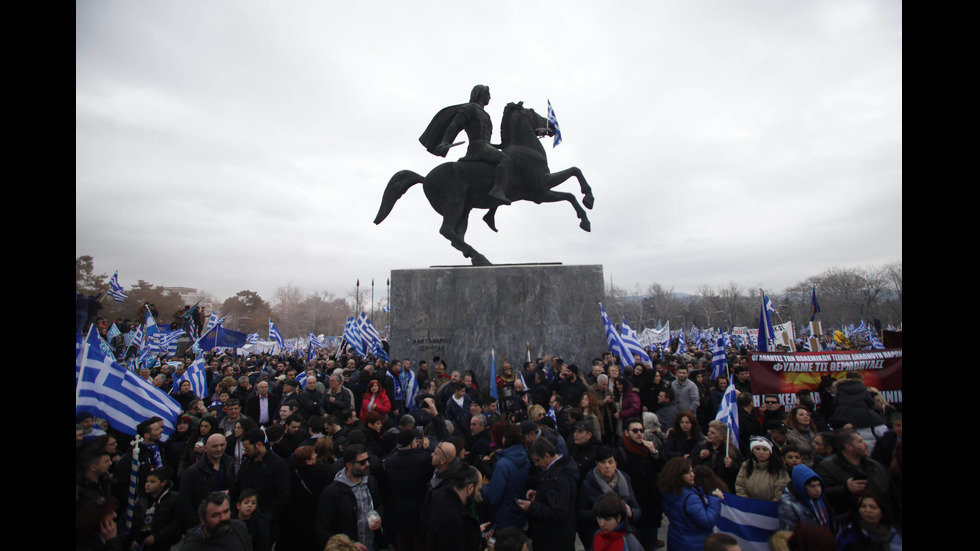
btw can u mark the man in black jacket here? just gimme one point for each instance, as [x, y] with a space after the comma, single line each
[213, 472]
[550, 507]
[268, 474]
[452, 525]
[346, 505]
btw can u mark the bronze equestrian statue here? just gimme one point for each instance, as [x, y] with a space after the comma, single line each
[489, 175]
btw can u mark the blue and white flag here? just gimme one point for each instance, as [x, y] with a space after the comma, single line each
[876, 343]
[138, 338]
[315, 342]
[252, 338]
[213, 321]
[728, 410]
[353, 336]
[372, 339]
[632, 342]
[151, 324]
[311, 350]
[107, 390]
[116, 290]
[198, 378]
[719, 362]
[164, 342]
[814, 304]
[681, 341]
[553, 121]
[410, 386]
[615, 340]
[275, 336]
[301, 378]
[113, 332]
[751, 521]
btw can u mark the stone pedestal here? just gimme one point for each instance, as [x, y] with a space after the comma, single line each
[458, 313]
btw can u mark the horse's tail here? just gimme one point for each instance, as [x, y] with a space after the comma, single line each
[397, 186]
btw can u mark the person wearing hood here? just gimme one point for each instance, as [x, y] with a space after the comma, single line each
[802, 502]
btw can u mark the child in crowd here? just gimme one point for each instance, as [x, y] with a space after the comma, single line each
[156, 524]
[791, 456]
[613, 533]
[248, 508]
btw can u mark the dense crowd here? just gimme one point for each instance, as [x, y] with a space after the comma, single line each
[335, 453]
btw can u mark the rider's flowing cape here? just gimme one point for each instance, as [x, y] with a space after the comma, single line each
[436, 131]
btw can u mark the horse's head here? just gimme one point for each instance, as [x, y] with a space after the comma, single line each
[519, 121]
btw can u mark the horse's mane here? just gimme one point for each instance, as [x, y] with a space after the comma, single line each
[506, 126]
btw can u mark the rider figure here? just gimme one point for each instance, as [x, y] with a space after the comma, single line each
[474, 120]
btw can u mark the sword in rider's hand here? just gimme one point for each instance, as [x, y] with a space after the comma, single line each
[457, 143]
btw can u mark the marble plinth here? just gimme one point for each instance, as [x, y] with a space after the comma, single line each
[458, 313]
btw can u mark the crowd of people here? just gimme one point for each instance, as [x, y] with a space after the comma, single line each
[332, 453]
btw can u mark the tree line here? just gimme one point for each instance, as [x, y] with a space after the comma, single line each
[846, 296]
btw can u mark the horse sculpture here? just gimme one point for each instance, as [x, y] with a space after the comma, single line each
[455, 188]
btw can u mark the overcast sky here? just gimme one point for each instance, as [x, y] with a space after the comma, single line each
[245, 145]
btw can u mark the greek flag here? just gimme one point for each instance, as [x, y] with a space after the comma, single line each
[353, 336]
[151, 324]
[681, 341]
[275, 336]
[198, 378]
[751, 521]
[554, 122]
[164, 341]
[632, 342]
[311, 350]
[115, 289]
[138, 338]
[315, 341]
[107, 390]
[213, 322]
[410, 385]
[252, 338]
[728, 411]
[371, 336]
[615, 340]
[113, 332]
[876, 343]
[719, 362]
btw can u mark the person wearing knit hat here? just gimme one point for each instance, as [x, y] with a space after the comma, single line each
[763, 476]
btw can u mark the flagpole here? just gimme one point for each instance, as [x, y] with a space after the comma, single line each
[372, 298]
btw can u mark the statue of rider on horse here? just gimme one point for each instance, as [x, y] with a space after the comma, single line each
[488, 175]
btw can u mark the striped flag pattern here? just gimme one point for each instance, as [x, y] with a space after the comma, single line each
[116, 290]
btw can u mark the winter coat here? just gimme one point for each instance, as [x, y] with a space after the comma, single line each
[796, 508]
[693, 515]
[552, 513]
[855, 405]
[508, 484]
[761, 484]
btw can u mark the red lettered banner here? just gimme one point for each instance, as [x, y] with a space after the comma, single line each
[787, 373]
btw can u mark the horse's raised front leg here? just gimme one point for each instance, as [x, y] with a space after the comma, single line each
[552, 196]
[556, 178]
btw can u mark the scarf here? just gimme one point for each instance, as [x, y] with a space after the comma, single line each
[609, 541]
[634, 448]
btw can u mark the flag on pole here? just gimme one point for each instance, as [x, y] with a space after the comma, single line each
[151, 324]
[681, 341]
[493, 374]
[372, 339]
[632, 342]
[553, 121]
[876, 343]
[198, 378]
[275, 336]
[719, 362]
[410, 387]
[311, 351]
[116, 290]
[107, 390]
[615, 340]
[134, 471]
[353, 336]
[728, 411]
